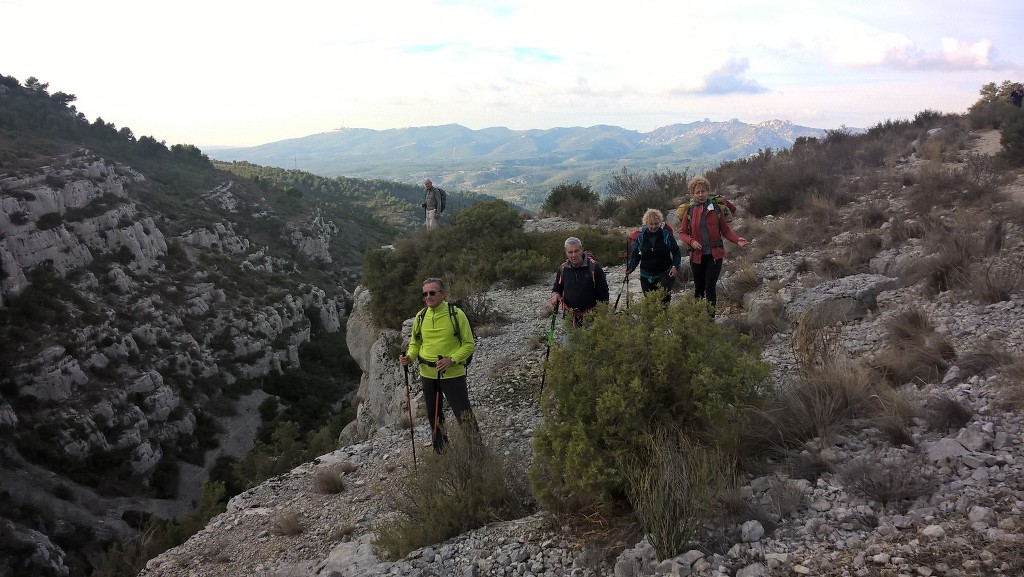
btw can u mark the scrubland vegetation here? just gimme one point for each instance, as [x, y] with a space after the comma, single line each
[647, 433]
[619, 454]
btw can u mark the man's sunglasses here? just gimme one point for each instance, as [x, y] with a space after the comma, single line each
[430, 293]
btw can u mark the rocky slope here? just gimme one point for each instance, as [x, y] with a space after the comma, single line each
[965, 521]
[123, 327]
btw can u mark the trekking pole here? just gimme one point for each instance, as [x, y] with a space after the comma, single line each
[412, 423]
[627, 293]
[620, 293]
[437, 399]
[551, 336]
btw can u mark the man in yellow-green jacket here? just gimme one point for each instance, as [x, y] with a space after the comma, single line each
[442, 342]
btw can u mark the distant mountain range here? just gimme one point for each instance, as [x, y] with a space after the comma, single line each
[519, 165]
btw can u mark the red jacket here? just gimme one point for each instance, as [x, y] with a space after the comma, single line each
[689, 230]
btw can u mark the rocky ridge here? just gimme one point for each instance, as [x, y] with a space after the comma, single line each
[967, 524]
[97, 380]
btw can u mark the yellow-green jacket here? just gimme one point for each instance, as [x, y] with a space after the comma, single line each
[435, 335]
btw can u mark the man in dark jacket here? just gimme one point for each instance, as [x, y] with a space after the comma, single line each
[580, 282]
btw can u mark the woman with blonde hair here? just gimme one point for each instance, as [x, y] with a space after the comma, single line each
[702, 228]
[657, 253]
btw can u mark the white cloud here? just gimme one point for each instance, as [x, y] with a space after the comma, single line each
[233, 72]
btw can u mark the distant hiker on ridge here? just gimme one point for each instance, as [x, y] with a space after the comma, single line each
[442, 340]
[433, 204]
[580, 282]
[657, 253]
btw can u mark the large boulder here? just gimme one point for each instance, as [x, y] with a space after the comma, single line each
[381, 394]
[846, 298]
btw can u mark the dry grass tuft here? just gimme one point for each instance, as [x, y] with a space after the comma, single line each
[774, 235]
[785, 497]
[672, 487]
[768, 320]
[807, 465]
[902, 230]
[909, 326]
[825, 402]
[888, 481]
[288, 522]
[343, 532]
[822, 210]
[849, 260]
[739, 283]
[943, 414]
[917, 352]
[465, 488]
[871, 217]
[816, 338]
[1011, 385]
[732, 509]
[329, 480]
[996, 281]
[503, 366]
[895, 428]
[986, 359]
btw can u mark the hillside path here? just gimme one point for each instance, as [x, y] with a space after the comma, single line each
[988, 143]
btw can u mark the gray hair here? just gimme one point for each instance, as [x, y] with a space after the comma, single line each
[573, 240]
[437, 281]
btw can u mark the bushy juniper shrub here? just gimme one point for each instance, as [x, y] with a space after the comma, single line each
[1012, 139]
[651, 368]
[567, 198]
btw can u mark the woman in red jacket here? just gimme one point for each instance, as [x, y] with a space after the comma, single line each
[703, 228]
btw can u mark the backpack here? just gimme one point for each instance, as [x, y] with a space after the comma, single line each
[683, 212]
[666, 230]
[442, 199]
[588, 257]
[722, 201]
[453, 315]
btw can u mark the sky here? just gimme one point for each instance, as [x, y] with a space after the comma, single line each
[243, 73]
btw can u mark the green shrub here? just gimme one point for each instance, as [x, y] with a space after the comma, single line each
[1012, 139]
[568, 198]
[631, 209]
[652, 368]
[485, 244]
[784, 184]
[49, 220]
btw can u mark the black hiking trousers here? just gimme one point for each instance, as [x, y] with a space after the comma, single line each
[457, 393]
[705, 278]
[662, 281]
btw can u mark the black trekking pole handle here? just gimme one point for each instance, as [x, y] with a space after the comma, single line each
[412, 423]
[551, 336]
